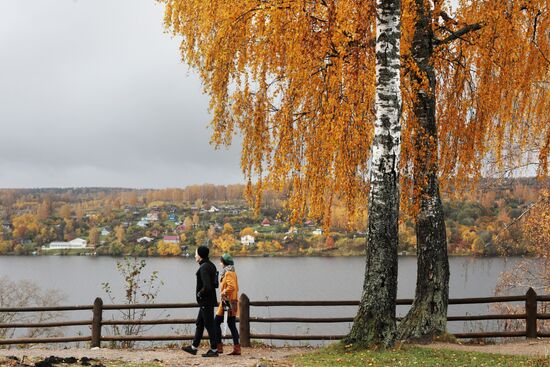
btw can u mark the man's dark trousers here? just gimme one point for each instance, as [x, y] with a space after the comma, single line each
[205, 319]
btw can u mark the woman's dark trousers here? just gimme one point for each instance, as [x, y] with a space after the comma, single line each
[231, 322]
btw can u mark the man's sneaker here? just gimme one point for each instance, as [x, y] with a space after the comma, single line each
[210, 353]
[189, 349]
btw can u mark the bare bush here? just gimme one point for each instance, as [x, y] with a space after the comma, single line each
[24, 293]
[137, 289]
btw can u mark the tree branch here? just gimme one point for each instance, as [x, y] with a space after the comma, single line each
[516, 220]
[458, 34]
[534, 39]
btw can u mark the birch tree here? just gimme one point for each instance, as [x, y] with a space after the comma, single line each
[297, 81]
[375, 320]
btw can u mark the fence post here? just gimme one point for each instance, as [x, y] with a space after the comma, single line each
[96, 322]
[244, 320]
[531, 313]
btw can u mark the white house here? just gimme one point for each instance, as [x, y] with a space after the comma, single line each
[145, 239]
[247, 240]
[292, 230]
[76, 243]
[317, 232]
[213, 209]
[142, 223]
[105, 232]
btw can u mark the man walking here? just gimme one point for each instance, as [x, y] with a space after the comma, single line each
[206, 298]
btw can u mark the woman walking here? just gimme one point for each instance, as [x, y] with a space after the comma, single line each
[229, 293]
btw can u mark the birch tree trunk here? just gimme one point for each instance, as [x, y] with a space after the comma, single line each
[428, 315]
[375, 320]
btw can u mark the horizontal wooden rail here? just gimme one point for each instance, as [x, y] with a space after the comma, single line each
[150, 306]
[46, 309]
[465, 301]
[543, 316]
[296, 337]
[303, 303]
[507, 334]
[350, 319]
[45, 340]
[495, 334]
[302, 319]
[541, 334]
[121, 338]
[149, 322]
[405, 301]
[543, 298]
[519, 316]
[46, 324]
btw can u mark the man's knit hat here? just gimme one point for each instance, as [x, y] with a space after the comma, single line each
[203, 252]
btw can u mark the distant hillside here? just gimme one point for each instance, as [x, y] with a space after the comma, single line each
[119, 221]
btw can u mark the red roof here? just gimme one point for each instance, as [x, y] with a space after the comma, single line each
[170, 238]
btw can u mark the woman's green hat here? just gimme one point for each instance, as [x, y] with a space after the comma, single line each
[227, 259]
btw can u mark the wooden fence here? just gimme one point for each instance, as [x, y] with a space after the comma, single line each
[96, 323]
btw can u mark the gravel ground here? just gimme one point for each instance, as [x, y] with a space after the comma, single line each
[251, 356]
[169, 357]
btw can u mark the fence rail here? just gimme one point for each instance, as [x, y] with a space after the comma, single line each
[531, 317]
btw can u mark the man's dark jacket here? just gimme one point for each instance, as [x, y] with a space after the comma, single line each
[206, 284]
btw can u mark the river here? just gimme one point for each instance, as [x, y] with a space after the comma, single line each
[308, 278]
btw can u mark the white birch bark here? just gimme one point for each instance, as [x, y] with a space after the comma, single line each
[375, 321]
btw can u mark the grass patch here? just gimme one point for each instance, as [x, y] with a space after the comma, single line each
[411, 356]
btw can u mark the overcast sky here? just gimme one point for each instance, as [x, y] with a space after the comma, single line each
[93, 93]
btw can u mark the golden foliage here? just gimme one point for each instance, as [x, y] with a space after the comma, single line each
[120, 233]
[65, 211]
[247, 231]
[225, 242]
[25, 226]
[93, 236]
[296, 79]
[168, 249]
[228, 228]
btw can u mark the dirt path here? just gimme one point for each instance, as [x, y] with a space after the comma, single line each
[169, 357]
[525, 348]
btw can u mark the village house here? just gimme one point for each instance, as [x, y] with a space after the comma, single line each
[171, 239]
[105, 232]
[143, 223]
[247, 240]
[292, 230]
[76, 243]
[152, 216]
[213, 209]
[317, 232]
[145, 240]
[266, 223]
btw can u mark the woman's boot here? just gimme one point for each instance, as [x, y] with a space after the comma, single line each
[236, 350]
[219, 346]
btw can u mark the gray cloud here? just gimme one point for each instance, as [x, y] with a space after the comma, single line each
[93, 93]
